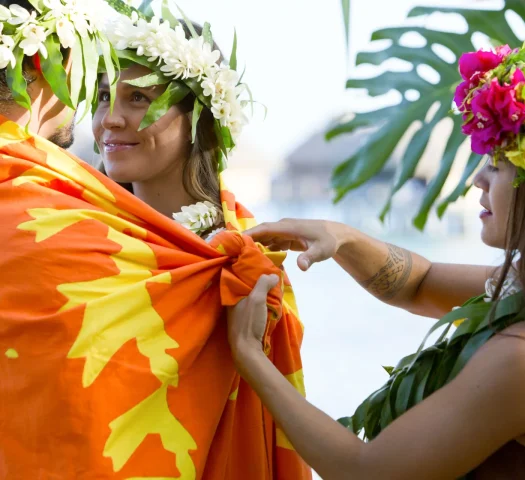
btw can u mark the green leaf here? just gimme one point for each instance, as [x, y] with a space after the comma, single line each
[390, 122]
[233, 56]
[122, 7]
[167, 15]
[197, 109]
[188, 23]
[470, 349]
[206, 34]
[175, 92]
[345, 4]
[222, 162]
[389, 370]
[462, 187]
[77, 71]
[411, 157]
[38, 5]
[131, 56]
[16, 81]
[89, 50]
[436, 185]
[110, 68]
[145, 8]
[53, 70]
[155, 78]
[356, 423]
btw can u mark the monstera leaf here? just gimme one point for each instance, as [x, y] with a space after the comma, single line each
[392, 122]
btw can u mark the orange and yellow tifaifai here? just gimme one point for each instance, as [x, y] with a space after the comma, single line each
[113, 350]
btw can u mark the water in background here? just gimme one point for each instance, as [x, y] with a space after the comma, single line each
[349, 334]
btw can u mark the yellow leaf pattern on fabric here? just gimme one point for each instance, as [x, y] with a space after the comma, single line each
[11, 353]
[133, 317]
[152, 415]
[63, 167]
[297, 380]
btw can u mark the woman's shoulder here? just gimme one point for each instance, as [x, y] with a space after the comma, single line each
[501, 362]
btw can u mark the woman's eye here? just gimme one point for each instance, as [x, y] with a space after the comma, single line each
[139, 97]
[492, 168]
[103, 96]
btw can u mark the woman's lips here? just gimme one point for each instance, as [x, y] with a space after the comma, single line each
[118, 147]
[485, 213]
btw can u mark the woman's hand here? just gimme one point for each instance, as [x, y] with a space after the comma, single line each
[247, 321]
[318, 239]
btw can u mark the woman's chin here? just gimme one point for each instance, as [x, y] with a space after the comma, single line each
[492, 239]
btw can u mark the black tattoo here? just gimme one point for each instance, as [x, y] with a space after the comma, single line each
[393, 276]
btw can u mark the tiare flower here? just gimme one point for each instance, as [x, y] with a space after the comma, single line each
[198, 217]
[34, 38]
[20, 16]
[66, 32]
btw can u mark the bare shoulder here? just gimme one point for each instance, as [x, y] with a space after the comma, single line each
[501, 362]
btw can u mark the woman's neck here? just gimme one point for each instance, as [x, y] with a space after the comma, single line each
[166, 194]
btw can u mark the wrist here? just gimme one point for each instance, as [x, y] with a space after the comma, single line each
[345, 236]
[246, 355]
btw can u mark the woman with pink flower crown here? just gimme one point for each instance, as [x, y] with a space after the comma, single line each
[455, 408]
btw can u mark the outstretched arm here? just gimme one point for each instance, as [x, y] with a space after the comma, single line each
[392, 274]
[444, 437]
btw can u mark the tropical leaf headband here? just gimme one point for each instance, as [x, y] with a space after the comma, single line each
[56, 24]
[490, 97]
[187, 65]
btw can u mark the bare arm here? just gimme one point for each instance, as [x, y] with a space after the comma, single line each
[405, 279]
[392, 274]
[444, 437]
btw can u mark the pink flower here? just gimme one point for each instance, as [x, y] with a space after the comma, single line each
[472, 67]
[496, 114]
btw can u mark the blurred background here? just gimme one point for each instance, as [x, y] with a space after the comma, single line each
[297, 64]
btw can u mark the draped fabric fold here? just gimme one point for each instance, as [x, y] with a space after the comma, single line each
[114, 361]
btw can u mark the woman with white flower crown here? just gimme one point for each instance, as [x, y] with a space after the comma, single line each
[114, 361]
[167, 144]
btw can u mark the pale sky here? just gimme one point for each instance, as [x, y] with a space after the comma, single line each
[295, 55]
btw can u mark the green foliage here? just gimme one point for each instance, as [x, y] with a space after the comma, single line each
[392, 122]
[174, 93]
[419, 375]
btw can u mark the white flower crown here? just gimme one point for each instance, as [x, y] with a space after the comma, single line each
[70, 24]
[191, 61]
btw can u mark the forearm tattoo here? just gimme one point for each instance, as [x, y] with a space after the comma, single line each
[393, 276]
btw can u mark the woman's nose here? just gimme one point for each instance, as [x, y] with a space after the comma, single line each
[113, 119]
[480, 179]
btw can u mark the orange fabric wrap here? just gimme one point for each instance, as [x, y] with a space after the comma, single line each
[114, 361]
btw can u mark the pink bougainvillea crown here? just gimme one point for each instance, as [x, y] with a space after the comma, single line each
[490, 98]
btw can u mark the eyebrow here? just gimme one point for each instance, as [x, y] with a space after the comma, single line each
[105, 85]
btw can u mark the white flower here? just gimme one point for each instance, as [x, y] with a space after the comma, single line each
[208, 87]
[213, 233]
[81, 24]
[56, 9]
[198, 217]
[221, 111]
[6, 57]
[34, 40]
[65, 32]
[5, 13]
[20, 16]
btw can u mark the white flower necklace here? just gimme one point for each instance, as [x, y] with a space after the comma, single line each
[199, 218]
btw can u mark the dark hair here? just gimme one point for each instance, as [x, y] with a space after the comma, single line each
[200, 174]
